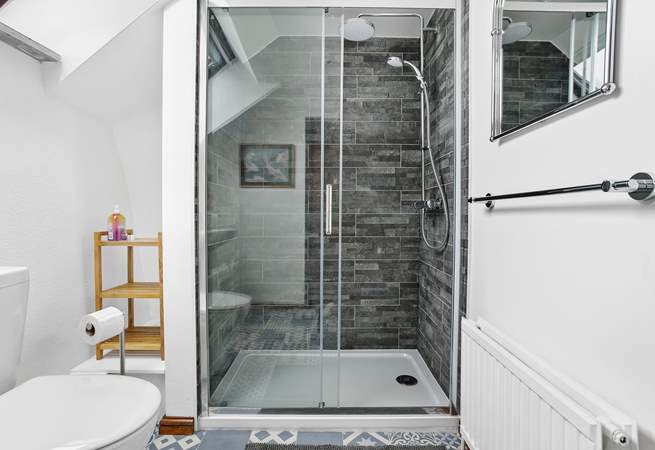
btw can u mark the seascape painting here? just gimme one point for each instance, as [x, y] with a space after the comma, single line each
[267, 165]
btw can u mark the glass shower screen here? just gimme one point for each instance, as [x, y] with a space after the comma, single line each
[272, 169]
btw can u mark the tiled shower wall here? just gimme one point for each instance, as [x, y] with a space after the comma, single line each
[436, 268]
[265, 242]
[535, 81]
[381, 180]
[265, 257]
[223, 221]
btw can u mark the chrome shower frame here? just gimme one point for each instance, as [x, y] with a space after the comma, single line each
[244, 420]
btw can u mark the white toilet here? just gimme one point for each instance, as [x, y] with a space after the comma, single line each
[72, 412]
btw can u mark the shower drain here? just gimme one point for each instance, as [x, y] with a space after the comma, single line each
[407, 380]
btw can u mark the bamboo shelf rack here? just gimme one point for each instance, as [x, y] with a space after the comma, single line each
[137, 338]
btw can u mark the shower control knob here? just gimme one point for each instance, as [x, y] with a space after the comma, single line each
[427, 205]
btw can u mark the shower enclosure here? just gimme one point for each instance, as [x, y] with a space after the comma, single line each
[316, 187]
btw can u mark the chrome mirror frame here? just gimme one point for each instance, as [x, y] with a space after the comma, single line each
[608, 87]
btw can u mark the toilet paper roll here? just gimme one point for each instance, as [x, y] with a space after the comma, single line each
[101, 325]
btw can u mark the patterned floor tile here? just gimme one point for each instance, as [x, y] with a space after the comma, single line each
[401, 438]
[364, 438]
[237, 440]
[273, 436]
[451, 441]
[319, 438]
[410, 438]
[225, 440]
[168, 442]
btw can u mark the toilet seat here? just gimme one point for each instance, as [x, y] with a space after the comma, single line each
[76, 412]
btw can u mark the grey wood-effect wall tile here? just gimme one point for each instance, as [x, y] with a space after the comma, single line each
[387, 225]
[411, 109]
[403, 315]
[411, 155]
[407, 338]
[388, 133]
[393, 45]
[369, 63]
[381, 270]
[547, 68]
[362, 202]
[369, 338]
[381, 179]
[531, 49]
[535, 81]
[387, 86]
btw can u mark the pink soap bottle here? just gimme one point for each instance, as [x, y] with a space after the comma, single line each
[116, 226]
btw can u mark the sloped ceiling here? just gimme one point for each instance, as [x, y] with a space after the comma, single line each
[76, 29]
[122, 79]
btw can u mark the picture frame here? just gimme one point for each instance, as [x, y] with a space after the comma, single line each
[267, 165]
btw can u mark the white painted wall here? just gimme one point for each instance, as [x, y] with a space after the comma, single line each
[178, 199]
[571, 277]
[76, 29]
[138, 145]
[120, 85]
[60, 178]
[87, 142]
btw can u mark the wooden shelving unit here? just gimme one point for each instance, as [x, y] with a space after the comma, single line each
[136, 338]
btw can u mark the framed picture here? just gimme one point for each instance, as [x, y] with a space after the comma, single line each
[267, 165]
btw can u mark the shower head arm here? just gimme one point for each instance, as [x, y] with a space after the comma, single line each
[415, 15]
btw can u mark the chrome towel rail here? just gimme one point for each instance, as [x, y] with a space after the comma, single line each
[641, 186]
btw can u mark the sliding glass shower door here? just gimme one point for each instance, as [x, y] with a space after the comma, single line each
[272, 201]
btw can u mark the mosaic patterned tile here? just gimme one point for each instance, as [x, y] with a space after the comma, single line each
[236, 440]
[319, 438]
[225, 440]
[451, 441]
[401, 438]
[410, 438]
[273, 436]
[168, 442]
[364, 439]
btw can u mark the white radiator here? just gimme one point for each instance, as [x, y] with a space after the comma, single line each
[513, 401]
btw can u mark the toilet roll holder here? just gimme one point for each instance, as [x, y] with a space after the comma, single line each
[90, 330]
[121, 350]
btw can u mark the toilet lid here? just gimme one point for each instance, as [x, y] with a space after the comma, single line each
[75, 412]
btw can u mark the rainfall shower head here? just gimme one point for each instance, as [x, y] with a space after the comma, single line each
[358, 29]
[515, 31]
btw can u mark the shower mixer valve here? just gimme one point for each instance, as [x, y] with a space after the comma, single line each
[429, 205]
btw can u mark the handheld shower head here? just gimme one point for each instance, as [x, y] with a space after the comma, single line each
[426, 205]
[395, 61]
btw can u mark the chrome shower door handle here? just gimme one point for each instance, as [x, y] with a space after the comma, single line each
[328, 210]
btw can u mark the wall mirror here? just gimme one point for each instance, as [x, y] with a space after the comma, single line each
[549, 56]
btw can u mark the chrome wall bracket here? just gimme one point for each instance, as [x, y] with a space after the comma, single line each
[489, 203]
[608, 88]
